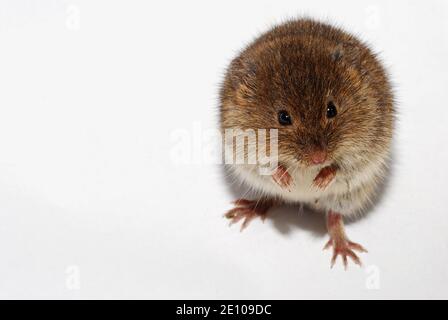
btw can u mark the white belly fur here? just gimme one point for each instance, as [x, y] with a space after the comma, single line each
[346, 194]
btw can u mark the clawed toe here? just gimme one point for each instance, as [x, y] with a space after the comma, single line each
[356, 246]
[247, 210]
[237, 214]
[344, 248]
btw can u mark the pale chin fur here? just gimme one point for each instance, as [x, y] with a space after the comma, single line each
[348, 194]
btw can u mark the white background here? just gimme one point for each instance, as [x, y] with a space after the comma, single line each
[97, 200]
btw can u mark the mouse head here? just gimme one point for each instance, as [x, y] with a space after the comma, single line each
[330, 103]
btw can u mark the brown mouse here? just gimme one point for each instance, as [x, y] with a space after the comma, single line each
[330, 100]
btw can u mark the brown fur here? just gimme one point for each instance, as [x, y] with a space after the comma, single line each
[299, 66]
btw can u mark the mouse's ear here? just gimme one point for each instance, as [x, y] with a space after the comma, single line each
[337, 53]
[242, 71]
[348, 53]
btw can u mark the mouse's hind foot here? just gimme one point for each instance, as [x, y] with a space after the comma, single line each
[342, 246]
[248, 210]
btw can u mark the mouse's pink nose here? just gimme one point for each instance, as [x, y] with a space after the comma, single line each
[318, 157]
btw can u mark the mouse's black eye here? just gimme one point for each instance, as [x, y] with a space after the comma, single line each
[284, 118]
[331, 110]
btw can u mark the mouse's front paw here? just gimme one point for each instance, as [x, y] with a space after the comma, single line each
[325, 177]
[283, 178]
